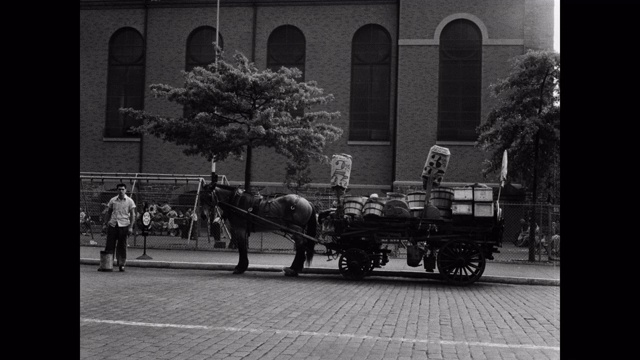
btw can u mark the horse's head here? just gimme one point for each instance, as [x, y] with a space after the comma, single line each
[207, 198]
[213, 194]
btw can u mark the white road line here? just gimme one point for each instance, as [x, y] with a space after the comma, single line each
[311, 333]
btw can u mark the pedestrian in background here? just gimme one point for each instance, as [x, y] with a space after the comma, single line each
[122, 215]
[84, 222]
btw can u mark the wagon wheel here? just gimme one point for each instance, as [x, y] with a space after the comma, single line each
[354, 264]
[461, 262]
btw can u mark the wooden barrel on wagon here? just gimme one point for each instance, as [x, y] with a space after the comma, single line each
[353, 205]
[441, 198]
[416, 199]
[373, 208]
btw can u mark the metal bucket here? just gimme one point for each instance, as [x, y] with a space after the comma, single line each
[106, 261]
[414, 255]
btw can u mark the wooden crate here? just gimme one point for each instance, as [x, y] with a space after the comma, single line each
[482, 194]
[483, 209]
[463, 194]
[462, 208]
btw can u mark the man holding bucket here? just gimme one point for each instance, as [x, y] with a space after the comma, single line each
[122, 215]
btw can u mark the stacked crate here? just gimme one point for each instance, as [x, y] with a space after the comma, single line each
[472, 203]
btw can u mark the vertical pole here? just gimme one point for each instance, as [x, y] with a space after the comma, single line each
[427, 184]
[214, 177]
[217, 29]
[195, 208]
[133, 186]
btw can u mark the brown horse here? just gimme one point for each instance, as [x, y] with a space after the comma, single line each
[290, 211]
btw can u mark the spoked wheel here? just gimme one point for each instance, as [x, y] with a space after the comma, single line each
[354, 264]
[461, 262]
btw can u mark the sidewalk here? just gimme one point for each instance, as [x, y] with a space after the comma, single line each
[509, 273]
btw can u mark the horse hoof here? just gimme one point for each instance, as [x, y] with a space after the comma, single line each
[290, 272]
[236, 271]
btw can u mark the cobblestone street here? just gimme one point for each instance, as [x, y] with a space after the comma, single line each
[195, 314]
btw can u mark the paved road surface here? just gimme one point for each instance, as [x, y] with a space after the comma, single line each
[151, 313]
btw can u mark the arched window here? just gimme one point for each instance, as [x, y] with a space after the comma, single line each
[287, 47]
[201, 47]
[460, 81]
[201, 51]
[125, 81]
[370, 84]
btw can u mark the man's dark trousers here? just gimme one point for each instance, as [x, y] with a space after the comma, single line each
[117, 240]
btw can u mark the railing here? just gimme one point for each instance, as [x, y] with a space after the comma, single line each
[179, 193]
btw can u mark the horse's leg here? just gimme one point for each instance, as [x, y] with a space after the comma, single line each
[298, 261]
[241, 241]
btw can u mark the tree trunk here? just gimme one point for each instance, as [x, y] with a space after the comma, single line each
[247, 169]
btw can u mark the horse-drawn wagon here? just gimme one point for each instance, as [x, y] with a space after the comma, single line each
[458, 243]
[455, 229]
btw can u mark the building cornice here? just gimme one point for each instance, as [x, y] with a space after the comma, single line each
[139, 4]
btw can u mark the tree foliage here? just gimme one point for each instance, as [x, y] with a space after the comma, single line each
[232, 108]
[526, 122]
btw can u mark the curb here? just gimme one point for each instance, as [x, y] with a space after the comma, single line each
[320, 271]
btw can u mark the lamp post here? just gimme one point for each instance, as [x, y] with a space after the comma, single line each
[214, 176]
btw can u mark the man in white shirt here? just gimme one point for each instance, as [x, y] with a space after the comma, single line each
[122, 214]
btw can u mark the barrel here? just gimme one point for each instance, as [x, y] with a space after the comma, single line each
[353, 205]
[372, 208]
[417, 211]
[416, 199]
[441, 197]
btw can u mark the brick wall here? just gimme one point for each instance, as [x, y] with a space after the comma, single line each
[328, 30]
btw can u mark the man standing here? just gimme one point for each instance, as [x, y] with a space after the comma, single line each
[122, 214]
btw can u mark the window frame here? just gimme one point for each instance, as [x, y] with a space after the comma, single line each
[120, 71]
[289, 44]
[370, 61]
[459, 97]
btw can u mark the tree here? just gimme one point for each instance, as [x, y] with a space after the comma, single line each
[232, 110]
[526, 122]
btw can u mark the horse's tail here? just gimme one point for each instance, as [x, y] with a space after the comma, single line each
[311, 230]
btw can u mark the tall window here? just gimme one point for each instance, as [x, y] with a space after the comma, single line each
[125, 81]
[201, 47]
[286, 47]
[460, 81]
[370, 84]
[201, 51]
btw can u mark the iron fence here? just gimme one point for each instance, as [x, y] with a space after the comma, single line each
[169, 232]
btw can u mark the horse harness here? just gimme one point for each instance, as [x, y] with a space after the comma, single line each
[256, 205]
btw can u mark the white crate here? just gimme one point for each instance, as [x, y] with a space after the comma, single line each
[462, 194]
[461, 208]
[483, 209]
[482, 194]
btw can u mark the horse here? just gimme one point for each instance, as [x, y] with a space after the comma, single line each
[289, 211]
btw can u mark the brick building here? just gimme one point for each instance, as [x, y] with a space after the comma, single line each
[406, 75]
